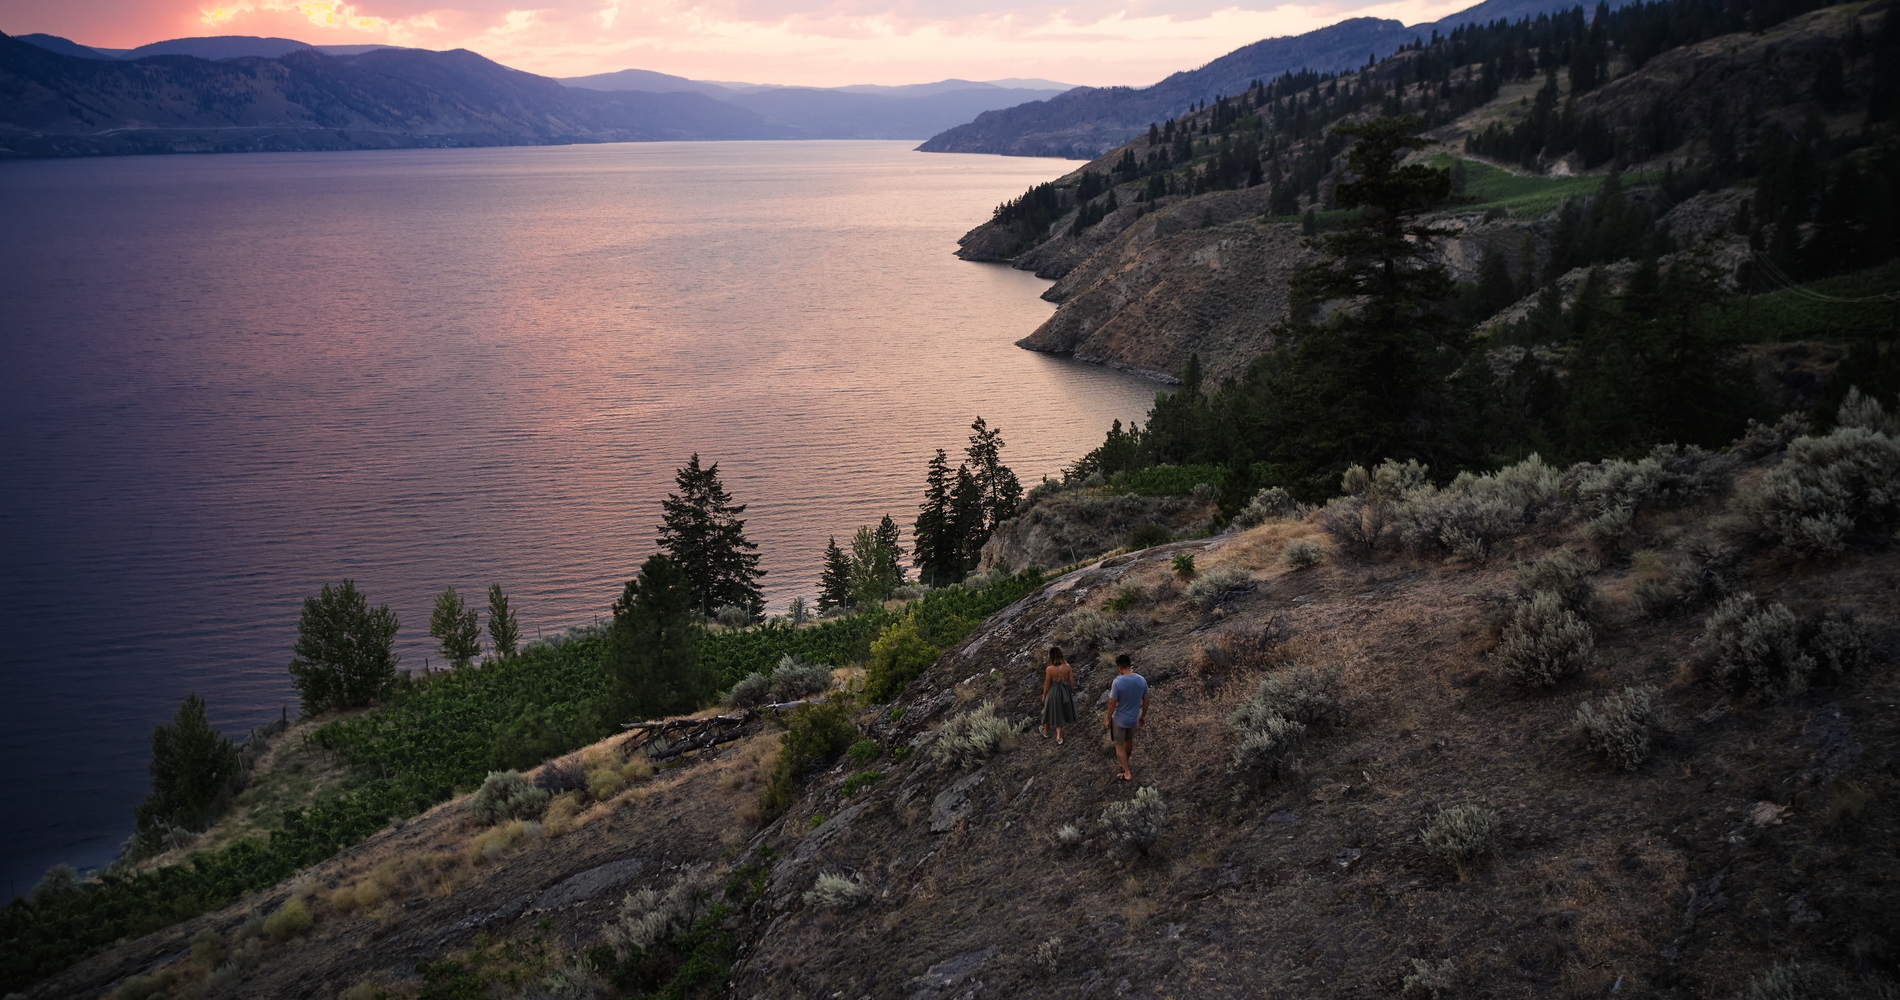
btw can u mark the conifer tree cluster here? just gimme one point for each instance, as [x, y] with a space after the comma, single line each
[962, 508]
[191, 766]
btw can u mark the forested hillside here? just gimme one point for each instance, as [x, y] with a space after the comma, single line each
[1631, 205]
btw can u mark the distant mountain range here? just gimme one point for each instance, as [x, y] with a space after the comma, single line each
[239, 93]
[1087, 121]
[855, 112]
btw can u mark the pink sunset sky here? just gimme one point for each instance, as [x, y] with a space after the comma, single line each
[808, 42]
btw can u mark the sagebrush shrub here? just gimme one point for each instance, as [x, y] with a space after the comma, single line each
[1136, 823]
[1049, 956]
[1620, 729]
[834, 891]
[1069, 834]
[793, 679]
[1830, 488]
[1266, 747]
[1669, 476]
[1464, 835]
[1301, 553]
[1467, 518]
[1566, 574]
[562, 774]
[648, 917]
[1794, 981]
[1272, 503]
[751, 691]
[1757, 648]
[1436, 981]
[1844, 645]
[1089, 627]
[1305, 694]
[507, 795]
[1356, 523]
[973, 737]
[732, 615]
[1544, 641]
[1217, 585]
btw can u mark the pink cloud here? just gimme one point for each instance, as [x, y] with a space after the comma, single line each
[811, 42]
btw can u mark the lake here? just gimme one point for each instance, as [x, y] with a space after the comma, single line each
[230, 379]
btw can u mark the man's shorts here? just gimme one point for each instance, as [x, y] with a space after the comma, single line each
[1117, 734]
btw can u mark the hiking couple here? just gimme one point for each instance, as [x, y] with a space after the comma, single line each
[1127, 704]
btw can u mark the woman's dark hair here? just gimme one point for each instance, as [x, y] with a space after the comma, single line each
[1055, 655]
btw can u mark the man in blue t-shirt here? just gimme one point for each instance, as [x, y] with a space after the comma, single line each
[1127, 710]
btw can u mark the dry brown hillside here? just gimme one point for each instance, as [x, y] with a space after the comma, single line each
[1751, 835]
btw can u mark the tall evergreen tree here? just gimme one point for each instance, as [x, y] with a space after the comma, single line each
[871, 568]
[345, 653]
[834, 581]
[968, 529]
[191, 763]
[889, 540]
[933, 548]
[503, 631]
[998, 488]
[1367, 383]
[457, 627]
[654, 645]
[705, 537]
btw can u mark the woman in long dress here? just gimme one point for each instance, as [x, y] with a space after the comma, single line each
[1058, 694]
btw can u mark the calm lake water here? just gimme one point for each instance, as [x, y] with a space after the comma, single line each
[229, 379]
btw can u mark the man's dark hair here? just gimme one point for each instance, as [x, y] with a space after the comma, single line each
[1124, 660]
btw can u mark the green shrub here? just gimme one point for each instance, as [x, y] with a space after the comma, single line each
[1757, 648]
[289, 920]
[507, 795]
[58, 881]
[1149, 535]
[158, 984]
[860, 780]
[815, 736]
[1620, 729]
[1184, 565]
[865, 751]
[898, 656]
[1128, 598]
[732, 616]
[1301, 553]
[1794, 981]
[833, 891]
[973, 737]
[1463, 835]
[648, 918]
[1137, 823]
[207, 948]
[1544, 641]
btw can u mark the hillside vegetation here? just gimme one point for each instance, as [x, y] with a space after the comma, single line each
[1556, 760]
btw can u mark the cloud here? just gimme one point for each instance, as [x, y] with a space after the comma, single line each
[812, 42]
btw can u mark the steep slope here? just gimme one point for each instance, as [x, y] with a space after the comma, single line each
[1196, 257]
[1749, 830]
[54, 105]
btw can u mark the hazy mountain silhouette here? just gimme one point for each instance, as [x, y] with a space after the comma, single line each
[1086, 121]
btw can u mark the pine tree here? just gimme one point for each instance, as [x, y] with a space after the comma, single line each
[705, 537]
[888, 539]
[458, 628]
[344, 656]
[834, 582]
[932, 546]
[503, 631]
[654, 645]
[1000, 491]
[191, 764]
[967, 529]
[870, 573]
[1368, 383]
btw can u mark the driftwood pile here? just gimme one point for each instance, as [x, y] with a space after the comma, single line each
[672, 738]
